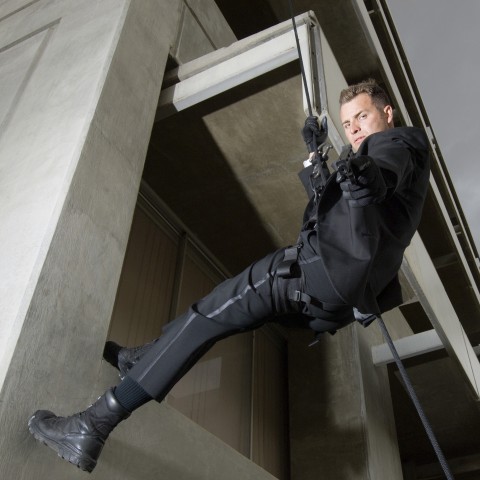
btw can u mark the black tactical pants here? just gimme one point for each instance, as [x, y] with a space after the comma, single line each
[247, 301]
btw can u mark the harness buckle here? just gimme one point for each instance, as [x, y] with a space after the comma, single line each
[296, 296]
[285, 268]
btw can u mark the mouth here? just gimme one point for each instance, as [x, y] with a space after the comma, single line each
[358, 140]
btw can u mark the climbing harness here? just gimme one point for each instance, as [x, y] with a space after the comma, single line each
[364, 319]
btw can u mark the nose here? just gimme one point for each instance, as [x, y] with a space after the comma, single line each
[354, 127]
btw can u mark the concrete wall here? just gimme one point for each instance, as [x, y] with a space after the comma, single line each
[202, 29]
[80, 82]
[50, 88]
[341, 416]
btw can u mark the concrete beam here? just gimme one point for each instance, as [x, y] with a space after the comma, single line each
[226, 68]
[407, 347]
[230, 73]
[410, 346]
[420, 272]
[216, 57]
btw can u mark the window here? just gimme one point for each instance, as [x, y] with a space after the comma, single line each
[238, 390]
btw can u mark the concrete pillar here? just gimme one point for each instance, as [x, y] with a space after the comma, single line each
[341, 415]
[54, 59]
[82, 82]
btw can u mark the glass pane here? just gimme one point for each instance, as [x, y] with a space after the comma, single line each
[216, 393]
[145, 290]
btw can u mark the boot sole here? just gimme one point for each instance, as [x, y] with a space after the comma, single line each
[63, 451]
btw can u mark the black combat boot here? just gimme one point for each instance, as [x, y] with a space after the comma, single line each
[79, 439]
[122, 358]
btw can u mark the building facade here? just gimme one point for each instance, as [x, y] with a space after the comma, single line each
[108, 185]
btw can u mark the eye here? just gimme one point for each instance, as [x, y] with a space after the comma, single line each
[346, 126]
[363, 116]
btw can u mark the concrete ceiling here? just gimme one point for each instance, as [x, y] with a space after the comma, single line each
[230, 175]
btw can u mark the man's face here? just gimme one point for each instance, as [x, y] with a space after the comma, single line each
[360, 118]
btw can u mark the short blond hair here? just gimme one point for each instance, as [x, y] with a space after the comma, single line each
[371, 88]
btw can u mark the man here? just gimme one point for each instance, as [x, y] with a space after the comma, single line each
[357, 225]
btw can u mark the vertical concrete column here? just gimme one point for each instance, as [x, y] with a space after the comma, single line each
[380, 435]
[53, 60]
[341, 419]
[82, 81]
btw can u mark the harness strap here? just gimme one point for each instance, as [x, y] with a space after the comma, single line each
[318, 324]
[286, 267]
[298, 296]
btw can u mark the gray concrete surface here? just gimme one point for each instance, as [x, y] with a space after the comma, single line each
[83, 80]
[80, 151]
[341, 415]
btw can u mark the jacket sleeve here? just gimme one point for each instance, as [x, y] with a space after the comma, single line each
[398, 152]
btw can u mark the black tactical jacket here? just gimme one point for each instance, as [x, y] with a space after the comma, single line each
[362, 247]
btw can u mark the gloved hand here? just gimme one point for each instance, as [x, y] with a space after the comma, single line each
[312, 128]
[368, 185]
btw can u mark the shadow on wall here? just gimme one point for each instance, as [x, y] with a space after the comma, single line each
[189, 171]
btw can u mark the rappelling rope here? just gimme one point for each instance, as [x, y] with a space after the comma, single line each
[401, 368]
[416, 402]
[300, 59]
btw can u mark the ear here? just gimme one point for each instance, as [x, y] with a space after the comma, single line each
[388, 110]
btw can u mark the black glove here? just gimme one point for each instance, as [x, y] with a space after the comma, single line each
[312, 128]
[365, 184]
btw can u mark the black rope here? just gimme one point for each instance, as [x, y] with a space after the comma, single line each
[416, 402]
[302, 69]
[316, 160]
